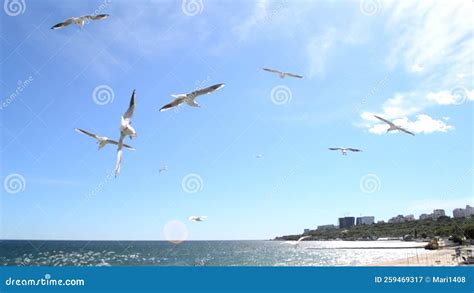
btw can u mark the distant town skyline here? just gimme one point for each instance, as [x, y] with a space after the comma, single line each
[348, 221]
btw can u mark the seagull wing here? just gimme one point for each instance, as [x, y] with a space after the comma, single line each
[272, 70]
[97, 17]
[87, 133]
[128, 115]
[302, 238]
[293, 75]
[335, 149]
[173, 104]
[119, 156]
[63, 24]
[124, 145]
[206, 90]
[354, 150]
[385, 120]
[404, 130]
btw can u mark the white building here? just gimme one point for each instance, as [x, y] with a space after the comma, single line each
[426, 216]
[459, 213]
[409, 218]
[463, 213]
[438, 213]
[469, 211]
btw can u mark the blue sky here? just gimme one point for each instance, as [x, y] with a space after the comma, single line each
[407, 61]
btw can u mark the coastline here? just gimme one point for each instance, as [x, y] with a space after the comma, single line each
[425, 258]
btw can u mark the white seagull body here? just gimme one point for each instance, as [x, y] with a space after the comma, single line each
[126, 129]
[345, 150]
[190, 98]
[163, 168]
[282, 74]
[197, 218]
[102, 140]
[80, 20]
[393, 126]
[297, 242]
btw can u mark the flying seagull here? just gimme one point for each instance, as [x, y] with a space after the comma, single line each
[259, 156]
[197, 218]
[297, 242]
[80, 20]
[191, 97]
[393, 126]
[102, 140]
[126, 129]
[345, 150]
[282, 74]
[163, 168]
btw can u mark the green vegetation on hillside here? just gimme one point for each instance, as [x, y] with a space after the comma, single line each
[443, 227]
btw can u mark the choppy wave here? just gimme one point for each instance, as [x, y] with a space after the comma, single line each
[199, 253]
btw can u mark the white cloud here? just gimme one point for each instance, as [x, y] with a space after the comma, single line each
[433, 35]
[423, 124]
[434, 40]
[318, 51]
[454, 97]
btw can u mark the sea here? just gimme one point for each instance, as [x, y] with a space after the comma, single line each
[204, 253]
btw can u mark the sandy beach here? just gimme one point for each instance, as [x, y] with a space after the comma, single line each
[441, 257]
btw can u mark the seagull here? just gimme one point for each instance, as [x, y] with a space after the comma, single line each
[297, 242]
[259, 156]
[126, 129]
[163, 168]
[102, 140]
[344, 150]
[197, 218]
[393, 126]
[80, 20]
[282, 74]
[191, 97]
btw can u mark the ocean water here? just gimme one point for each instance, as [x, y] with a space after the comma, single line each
[203, 253]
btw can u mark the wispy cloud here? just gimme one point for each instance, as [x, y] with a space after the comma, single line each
[436, 47]
[318, 50]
